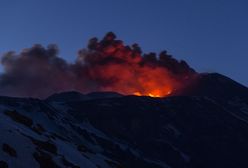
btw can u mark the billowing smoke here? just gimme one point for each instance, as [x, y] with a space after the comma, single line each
[105, 65]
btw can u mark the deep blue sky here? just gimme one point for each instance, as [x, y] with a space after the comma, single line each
[211, 35]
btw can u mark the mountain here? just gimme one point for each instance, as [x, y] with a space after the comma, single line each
[214, 85]
[76, 96]
[204, 125]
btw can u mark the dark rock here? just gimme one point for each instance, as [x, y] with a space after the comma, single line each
[17, 117]
[3, 164]
[9, 150]
[44, 160]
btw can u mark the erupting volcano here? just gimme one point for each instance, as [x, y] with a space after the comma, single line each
[105, 65]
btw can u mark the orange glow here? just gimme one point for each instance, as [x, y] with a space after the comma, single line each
[137, 94]
[139, 81]
[154, 93]
[113, 66]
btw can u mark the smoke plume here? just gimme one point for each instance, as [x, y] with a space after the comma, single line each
[105, 65]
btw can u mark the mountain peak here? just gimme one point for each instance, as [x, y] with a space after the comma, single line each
[214, 85]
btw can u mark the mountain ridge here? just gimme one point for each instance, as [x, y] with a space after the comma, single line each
[204, 128]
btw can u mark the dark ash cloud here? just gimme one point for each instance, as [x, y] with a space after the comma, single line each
[105, 65]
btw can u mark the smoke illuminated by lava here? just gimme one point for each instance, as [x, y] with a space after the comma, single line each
[105, 65]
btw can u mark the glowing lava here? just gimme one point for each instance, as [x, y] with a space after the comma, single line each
[152, 95]
[156, 93]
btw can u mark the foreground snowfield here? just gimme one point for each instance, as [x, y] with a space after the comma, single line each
[45, 134]
[53, 143]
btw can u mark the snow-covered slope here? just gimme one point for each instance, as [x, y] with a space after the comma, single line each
[36, 133]
[39, 135]
[107, 130]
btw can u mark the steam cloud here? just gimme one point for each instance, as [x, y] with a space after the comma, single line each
[105, 65]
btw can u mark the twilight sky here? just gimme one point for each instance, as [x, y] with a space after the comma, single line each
[211, 35]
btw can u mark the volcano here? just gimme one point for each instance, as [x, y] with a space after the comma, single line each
[202, 125]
